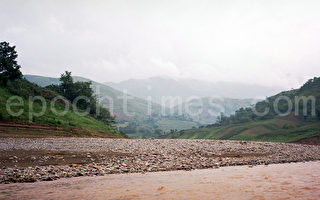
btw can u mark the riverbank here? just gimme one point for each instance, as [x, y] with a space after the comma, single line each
[275, 181]
[46, 159]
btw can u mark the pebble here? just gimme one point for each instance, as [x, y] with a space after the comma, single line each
[112, 156]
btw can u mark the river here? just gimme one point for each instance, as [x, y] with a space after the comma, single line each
[276, 181]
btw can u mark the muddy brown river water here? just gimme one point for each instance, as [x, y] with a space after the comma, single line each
[276, 181]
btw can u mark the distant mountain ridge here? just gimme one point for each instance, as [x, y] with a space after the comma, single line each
[157, 87]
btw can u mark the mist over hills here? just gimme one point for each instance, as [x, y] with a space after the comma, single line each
[157, 87]
[162, 118]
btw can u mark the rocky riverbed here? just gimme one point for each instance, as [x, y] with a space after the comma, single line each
[46, 159]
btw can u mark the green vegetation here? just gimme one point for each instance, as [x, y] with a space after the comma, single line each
[295, 125]
[9, 68]
[21, 100]
[30, 109]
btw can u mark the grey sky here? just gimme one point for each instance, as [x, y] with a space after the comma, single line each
[272, 43]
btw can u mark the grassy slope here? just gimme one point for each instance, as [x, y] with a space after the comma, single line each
[86, 124]
[279, 129]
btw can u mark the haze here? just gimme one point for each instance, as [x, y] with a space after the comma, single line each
[270, 43]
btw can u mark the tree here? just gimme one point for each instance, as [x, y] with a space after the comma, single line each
[66, 86]
[9, 68]
[84, 89]
[105, 116]
[87, 100]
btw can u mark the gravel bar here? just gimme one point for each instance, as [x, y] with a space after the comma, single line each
[47, 159]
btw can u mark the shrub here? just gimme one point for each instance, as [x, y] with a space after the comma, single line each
[72, 124]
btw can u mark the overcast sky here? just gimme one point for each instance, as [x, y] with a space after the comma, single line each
[270, 42]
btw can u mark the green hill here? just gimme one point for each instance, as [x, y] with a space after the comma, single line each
[289, 126]
[49, 124]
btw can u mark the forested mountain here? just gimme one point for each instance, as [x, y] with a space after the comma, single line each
[285, 121]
